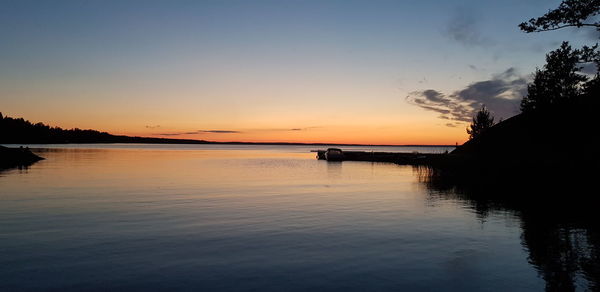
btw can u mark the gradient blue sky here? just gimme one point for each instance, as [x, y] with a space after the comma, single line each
[303, 71]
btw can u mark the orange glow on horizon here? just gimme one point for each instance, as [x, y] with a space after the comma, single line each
[338, 135]
[415, 127]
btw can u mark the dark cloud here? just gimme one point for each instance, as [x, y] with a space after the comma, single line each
[201, 132]
[433, 96]
[236, 132]
[463, 28]
[290, 129]
[218, 131]
[152, 127]
[447, 107]
[473, 67]
[501, 95]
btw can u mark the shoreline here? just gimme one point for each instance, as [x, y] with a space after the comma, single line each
[228, 143]
[13, 145]
[17, 157]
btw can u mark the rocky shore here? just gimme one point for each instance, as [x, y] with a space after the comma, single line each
[17, 157]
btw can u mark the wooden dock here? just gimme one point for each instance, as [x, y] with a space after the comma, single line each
[395, 157]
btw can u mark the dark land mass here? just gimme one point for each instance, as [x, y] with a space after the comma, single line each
[16, 157]
[550, 146]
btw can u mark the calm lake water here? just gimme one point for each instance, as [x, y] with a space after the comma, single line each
[259, 218]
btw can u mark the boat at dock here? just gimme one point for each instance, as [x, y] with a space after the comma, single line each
[334, 154]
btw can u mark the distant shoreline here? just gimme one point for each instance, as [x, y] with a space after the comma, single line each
[200, 142]
[18, 131]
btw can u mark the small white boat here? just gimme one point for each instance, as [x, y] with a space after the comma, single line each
[334, 154]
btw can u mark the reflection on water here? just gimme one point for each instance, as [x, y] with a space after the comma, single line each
[272, 218]
[560, 224]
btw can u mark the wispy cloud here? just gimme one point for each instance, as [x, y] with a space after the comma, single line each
[593, 34]
[304, 129]
[152, 126]
[589, 68]
[463, 28]
[238, 132]
[287, 129]
[501, 95]
[590, 33]
[219, 131]
[201, 132]
[475, 68]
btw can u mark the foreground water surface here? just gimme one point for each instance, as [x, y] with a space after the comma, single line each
[262, 218]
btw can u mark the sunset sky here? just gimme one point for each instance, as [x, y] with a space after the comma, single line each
[372, 72]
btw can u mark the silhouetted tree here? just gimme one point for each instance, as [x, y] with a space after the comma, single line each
[482, 121]
[557, 81]
[570, 13]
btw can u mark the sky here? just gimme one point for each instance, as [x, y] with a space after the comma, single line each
[367, 72]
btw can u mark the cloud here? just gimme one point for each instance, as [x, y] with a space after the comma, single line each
[289, 129]
[447, 107]
[464, 28]
[589, 68]
[201, 132]
[218, 131]
[501, 94]
[237, 132]
[593, 34]
[152, 127]
[544, 47]
[590, 33]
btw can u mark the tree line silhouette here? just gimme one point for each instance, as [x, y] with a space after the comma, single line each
[21, 131]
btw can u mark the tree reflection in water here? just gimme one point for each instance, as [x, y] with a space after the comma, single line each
[559, 220]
